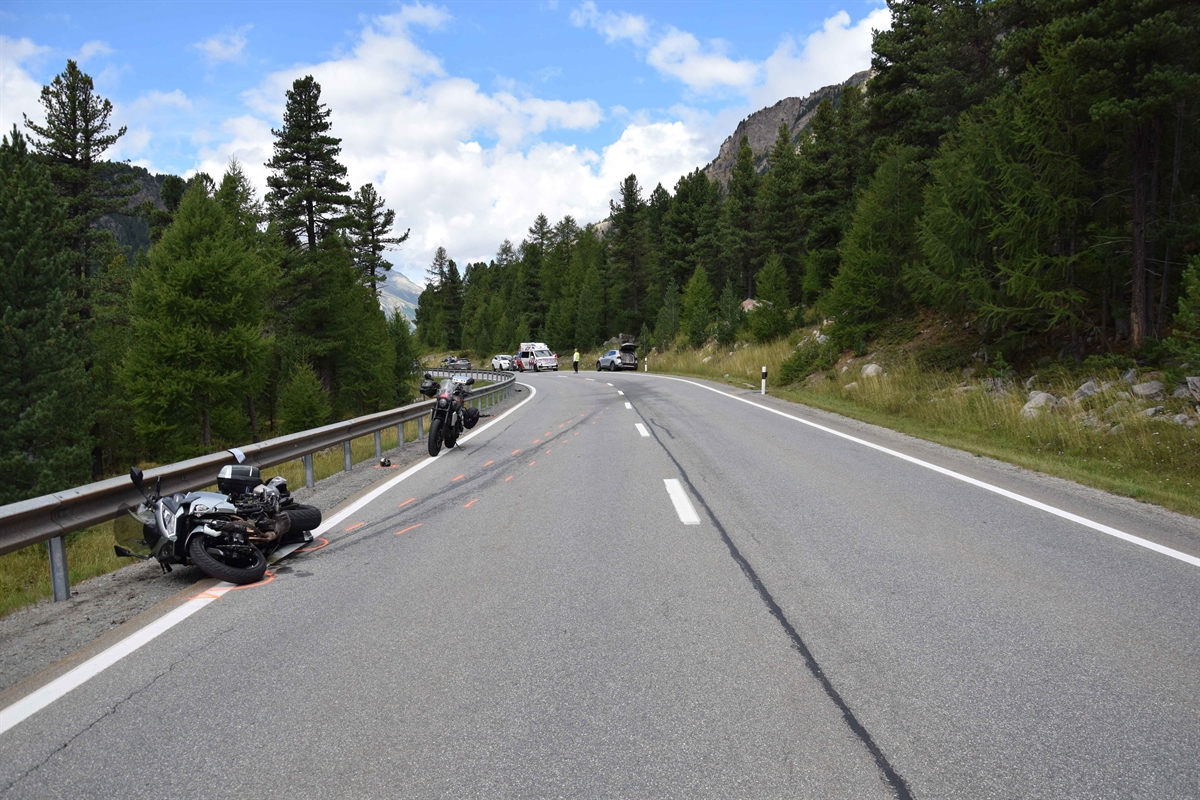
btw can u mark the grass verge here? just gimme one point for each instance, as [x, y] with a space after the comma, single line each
[1149, 458]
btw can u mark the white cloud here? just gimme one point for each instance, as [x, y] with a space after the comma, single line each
[633, 27]
[155, 101]
[681, 55]
[229, 45]
[827, 56]
[92, 49]
[19, 92]
[463, 167]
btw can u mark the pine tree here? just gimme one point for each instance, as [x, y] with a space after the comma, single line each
[769, 319]
[781, 233]
[697, 307]
[197, 322]
[308, 191]
[821, 204]
[628, 253]
[70, 144]
[406, 367]
[237, 198]
[729, 314]
[690, 228]
[666, 327]
[370, 223]
[303, 404]
[44, 407]
[880, 245]
[739, 219]
[1184, 341]
[589, 313]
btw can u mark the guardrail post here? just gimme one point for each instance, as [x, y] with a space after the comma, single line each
[59, 580]
[346, 455]
[420, 428]
[378, 444]
[400, 435]
[310, 479]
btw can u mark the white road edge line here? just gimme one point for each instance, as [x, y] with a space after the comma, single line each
[683, 506]
[629, 405]
[1029, 501]
[641, 429]
[40, 698]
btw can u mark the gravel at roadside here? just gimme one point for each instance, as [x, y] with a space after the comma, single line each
[39, 635]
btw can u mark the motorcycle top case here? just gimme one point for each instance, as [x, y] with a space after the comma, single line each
[428, 387]
[238, 478]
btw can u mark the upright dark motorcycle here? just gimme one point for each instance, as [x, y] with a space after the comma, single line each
[227, 534]
[449, 415]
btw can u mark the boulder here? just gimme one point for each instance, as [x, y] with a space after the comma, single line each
[1148, 390]
[873, 371]
[1129, 375]
[851, 385]
[822, 338]
[1115, 429]
[1029, 382]
[1193, 384]
[1153, 411]
[1038, 402]
[968, 373]
[706, 359]
[1086, 390]
[1182, 392]
[1184, 419]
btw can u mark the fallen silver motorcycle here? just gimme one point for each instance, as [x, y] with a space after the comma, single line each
[229, 533]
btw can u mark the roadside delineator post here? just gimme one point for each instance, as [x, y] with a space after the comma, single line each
[764, 380]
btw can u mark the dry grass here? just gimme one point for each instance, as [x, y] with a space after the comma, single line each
[1148, 458]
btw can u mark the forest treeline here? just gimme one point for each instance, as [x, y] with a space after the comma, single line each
[1031, 167]
[246, 318]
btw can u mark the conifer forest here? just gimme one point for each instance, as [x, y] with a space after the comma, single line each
[1027, 168]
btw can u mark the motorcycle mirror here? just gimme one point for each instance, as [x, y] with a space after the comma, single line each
[470, 381]
[135, 475]
[428, 376]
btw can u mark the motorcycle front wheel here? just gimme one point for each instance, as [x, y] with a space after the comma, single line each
[244, 565]
[451, 436]
[435, 437]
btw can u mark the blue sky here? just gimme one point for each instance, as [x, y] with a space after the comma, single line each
[470, 117]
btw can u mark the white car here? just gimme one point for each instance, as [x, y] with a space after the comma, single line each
[502, 363]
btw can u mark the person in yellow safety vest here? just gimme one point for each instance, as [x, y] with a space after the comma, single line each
[576, 361]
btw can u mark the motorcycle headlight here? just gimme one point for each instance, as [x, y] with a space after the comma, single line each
[442, 402]
[166, 521]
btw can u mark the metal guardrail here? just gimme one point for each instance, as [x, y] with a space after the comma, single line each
[48, 518]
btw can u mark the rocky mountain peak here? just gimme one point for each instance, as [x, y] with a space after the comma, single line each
[762, 127]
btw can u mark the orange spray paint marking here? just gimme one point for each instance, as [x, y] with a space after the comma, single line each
[514, 452]
[547, 451]
[355, 527]
[459, 478]
[560, 426]
[488, 464]
[547, 433]
[535, 441]
[409, 528]
[564, 441]
[531, 463]
[576, 433]
[406, 502]
[323, 543]
[268, 576]
[473, 502]
[509, 478]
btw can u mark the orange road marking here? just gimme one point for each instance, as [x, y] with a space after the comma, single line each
[323, 543]
[268, 576]
[509, 478]
[535, 441]
[547, 451]
[355, 527]
[547, 433]
[514, 452]
[488, 464]
[406, 502]
[531, 463]
[576, 433]
[409, 528]
[459, 478]
[564, 441]
[473, 502]
[560, 426]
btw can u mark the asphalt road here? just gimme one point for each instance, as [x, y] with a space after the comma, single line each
[529, 616]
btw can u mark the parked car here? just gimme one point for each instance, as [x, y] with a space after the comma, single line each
[535, 356]
[454, 362]
[502, 363]
[624, 357]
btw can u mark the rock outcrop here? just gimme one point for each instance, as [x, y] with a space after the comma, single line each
[762, 127]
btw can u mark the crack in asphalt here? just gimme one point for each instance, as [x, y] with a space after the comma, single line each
[113, 709]
[891, 777]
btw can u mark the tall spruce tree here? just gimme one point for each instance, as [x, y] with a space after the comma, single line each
[198, 321]
[770, 317]
[781, 233]
[44, 404]
[308, 191]
[739, 218]
[76, 134]
[628, 254]
[691, 234]
[729, 314]
[370, 224]
[698, 305]
[666, 326]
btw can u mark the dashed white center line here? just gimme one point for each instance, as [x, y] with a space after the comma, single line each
[590, 379]
[619, 391]
[642, 429]
[610, 384]
[683, 506]
[629, 405]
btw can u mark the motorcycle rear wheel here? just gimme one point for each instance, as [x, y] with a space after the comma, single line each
[303, 518]
[435, 437]
[245, 567]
